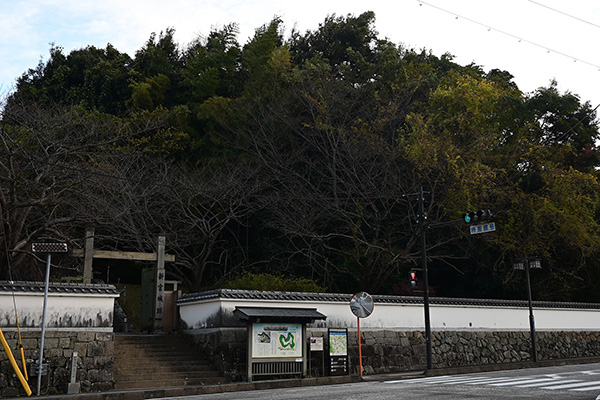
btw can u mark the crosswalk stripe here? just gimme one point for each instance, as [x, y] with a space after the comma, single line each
[523, 381]
[460, 379]
[437, 379]
[571, 385]
[547, 383]
[588, 389]
[491, 381]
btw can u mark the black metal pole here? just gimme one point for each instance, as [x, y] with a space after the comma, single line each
[531, 319]
[422, 219]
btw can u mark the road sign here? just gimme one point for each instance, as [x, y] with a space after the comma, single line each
[483, 228]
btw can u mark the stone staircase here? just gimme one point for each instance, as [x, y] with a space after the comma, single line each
[154, 361]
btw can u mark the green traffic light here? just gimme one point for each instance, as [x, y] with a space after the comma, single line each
[467, 218]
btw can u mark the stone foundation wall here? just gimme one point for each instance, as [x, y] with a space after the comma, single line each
[225, 348]
[95, 354]
[386, 351]
[390, 351]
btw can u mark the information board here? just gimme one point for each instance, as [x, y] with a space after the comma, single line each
[276, 340]
[338, 351]
[316, 344]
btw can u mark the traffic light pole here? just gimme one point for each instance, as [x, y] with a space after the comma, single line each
[422, 219]
[481, 215]
[531, 318]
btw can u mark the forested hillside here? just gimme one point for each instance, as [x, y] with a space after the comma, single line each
[301, 156]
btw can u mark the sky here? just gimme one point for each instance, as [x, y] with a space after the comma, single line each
[536, 41]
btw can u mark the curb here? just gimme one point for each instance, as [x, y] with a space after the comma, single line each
[140, 394]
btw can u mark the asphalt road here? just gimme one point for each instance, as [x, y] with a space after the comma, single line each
[549, 383]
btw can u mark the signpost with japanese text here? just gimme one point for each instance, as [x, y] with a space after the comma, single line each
[159, 301]
[483, 228]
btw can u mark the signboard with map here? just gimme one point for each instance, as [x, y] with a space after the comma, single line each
[338, 351]
[276, 340]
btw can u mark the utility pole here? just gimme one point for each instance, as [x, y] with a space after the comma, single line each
[422, 220]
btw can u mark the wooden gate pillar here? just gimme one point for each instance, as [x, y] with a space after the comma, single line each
[88, 255]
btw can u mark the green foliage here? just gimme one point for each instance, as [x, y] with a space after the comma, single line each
[151, 93]
[131, 301]
[264, 281]
[334, 130]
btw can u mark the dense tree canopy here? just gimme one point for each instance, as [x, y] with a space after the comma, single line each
[303, 156]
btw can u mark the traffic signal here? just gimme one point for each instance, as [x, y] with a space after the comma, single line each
[474, 217]
[412, 278]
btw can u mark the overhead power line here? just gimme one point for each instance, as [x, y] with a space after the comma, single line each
[519, 38]
[564, 13]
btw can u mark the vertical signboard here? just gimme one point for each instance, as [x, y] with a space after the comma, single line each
[275, 340]
[159, 300]
[338, 351]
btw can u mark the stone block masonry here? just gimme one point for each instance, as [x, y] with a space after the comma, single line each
[95, 355]
[390, 351]
[225, 348]
[395, 351]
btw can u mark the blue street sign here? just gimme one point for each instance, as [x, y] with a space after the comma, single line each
[483, 228]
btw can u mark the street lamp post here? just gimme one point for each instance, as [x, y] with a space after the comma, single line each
[525, 264]
[47, 248]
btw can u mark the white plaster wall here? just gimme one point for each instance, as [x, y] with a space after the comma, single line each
[198, 315]
[411, 316]
[64, 310]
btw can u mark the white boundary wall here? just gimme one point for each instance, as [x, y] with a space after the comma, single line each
[203, 313]
[68, 310]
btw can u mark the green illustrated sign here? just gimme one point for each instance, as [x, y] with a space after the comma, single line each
[287, 340]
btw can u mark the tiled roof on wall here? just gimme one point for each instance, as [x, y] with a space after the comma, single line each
[378, 299]
[55, 287]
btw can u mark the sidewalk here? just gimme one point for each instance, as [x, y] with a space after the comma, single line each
[140, 394]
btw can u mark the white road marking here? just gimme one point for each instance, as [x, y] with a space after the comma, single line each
[496, 381]
[572, 385]
[587, 389]
[558, 382]
[548, 381]
[524, 381]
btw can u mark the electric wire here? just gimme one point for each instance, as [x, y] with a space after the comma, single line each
[564, 13]
[519, 38]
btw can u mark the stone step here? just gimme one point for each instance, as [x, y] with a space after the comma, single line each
[155, 383]
[131, 352]
[147, 361]
[128, 368]
[169, 375]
